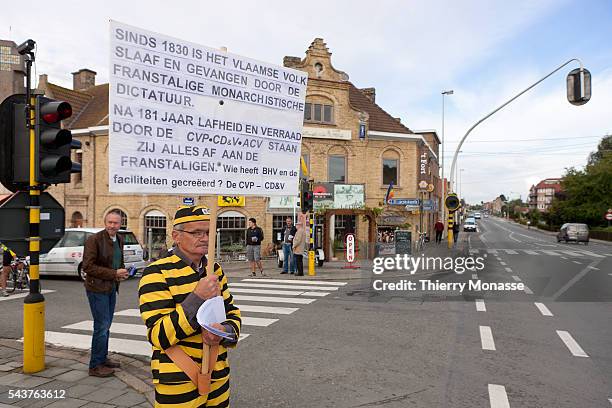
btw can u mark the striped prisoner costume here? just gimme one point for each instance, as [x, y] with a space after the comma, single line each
[167, 309]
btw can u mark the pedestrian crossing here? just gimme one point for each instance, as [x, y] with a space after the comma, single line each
[262, 302]
[536, 252]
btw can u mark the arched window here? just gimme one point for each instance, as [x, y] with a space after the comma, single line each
[155, 233]
[76, 221]
[124, 218]
[232, 228]
[390, 167]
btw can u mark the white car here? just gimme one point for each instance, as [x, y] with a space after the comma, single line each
[66, 257]
[477, 215]
[469, 225]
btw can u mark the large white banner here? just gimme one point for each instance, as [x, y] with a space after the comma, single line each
[188, 119]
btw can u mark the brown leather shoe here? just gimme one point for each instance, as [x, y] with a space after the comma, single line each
[110, 363]
[101, 371]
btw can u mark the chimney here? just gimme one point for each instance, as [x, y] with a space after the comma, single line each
[291, 62]
[399, 120]
[370, 93]
[83, 79]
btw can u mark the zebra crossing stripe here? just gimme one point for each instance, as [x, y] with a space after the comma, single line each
[593, 254]
[300, 282]
[13, 296]
[267, 291]
[570, 253]
[267, 309]
[116, 328]
[83, 342]
[270, 286]
[492, 251]
[529, 252]
[511, 252]
[301, 301]
[553, 253]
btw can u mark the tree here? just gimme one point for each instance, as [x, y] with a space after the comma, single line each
[587, 193]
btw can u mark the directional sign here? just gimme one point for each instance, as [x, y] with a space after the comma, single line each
[405, 201]
[188, 119]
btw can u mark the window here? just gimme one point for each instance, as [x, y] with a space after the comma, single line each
[320, 113]
[344, 224]
[336, 169]
[76, 221]
[78, 177]
[232, 230]
[129, 238]
[73, 239]
[155, 230]
[390, 171]
[278, 225]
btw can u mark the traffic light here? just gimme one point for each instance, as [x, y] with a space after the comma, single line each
[452, 202]
[54, 164]
[306, 196]
[579, 86]
[14, 144]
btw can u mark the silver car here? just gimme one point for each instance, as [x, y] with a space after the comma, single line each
[66, 257]
[574, 232]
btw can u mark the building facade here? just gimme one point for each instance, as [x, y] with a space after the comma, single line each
[353, 149]
[542, 194]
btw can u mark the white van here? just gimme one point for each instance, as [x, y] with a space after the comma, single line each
[66, 257]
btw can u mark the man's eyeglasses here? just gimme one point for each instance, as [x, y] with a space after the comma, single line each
[196, 233]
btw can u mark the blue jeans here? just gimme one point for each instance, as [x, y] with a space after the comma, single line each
[289, 260]
[102, 307]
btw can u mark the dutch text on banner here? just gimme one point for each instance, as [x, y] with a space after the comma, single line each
[185, 118]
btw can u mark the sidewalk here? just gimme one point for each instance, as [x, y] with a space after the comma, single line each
[66, 374]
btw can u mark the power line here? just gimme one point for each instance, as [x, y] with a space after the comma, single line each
[529, 140]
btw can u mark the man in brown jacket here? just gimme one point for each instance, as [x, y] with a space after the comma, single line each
[103, 264]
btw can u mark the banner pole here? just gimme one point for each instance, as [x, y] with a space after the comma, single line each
[210, 268]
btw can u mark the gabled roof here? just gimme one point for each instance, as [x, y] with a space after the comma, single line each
[89, 106]
[379, 119]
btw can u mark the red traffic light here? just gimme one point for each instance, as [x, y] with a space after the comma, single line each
[53, 112]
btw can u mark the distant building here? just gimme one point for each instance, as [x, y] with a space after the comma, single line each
[541, 195]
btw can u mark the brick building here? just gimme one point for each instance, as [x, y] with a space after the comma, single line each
[353, 148]
[541, 195]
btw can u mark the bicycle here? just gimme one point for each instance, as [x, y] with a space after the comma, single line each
[421, 241]
[19, 276]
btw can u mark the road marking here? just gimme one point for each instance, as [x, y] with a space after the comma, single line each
[22, 295]
[570, 253]
[593, 254]
[243, 308]
[278, 292]
[576, 262]
[571, 344]
[528, 252]
[473, 251]
[296, 281]
[610, 399]
[575, 279]
[83, 342]
[509, 270]
[301, 301]
[543, 309]
[480, 305]
[474, 276]
[319, 294]
[498, 397]
[511, 252]
[516, 278]
[564, 258]
[270, 286]
[117, 328]
[514, 239]
[610, 274]
[528, 291]
[553, 253]
[486, 338]
[492, 251]
[503, 263]
[592, 267]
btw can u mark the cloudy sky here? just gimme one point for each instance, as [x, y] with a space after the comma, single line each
[486, 51]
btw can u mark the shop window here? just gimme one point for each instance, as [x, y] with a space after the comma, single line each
[336, 169]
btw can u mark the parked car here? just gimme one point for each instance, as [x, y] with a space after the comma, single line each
[574, 232]
[66, 257]
[477, 215]
[469, 225]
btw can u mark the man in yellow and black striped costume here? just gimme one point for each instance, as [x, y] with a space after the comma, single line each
[171, 291]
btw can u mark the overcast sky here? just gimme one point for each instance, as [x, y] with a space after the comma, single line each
[486, 51]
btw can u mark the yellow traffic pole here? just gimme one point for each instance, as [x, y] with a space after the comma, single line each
[34, 303]
[311, 252]
[451, 216]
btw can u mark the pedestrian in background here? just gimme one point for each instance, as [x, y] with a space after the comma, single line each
[103, 264]
[456, 231]
[254, 236]
[300, 241]
[439, 227]
[7, 258]
[287, 238]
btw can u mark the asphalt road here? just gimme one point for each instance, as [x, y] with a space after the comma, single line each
[343, 344]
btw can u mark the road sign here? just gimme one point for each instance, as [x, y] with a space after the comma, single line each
[423, 184]
[405, 201]
[188, 201]
[609, 216]
[412, 207]
[15, 231]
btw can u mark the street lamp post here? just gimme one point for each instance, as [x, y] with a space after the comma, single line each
[444, 192]
[460, 171]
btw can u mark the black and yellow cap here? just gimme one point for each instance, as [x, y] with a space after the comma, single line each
[191, 214]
